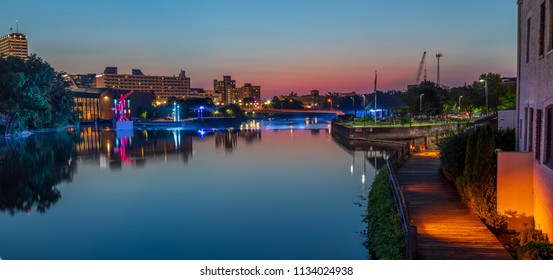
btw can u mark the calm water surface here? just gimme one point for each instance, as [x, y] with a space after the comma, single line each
[173, 194]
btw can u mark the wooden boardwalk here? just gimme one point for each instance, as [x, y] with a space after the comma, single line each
[446, 228]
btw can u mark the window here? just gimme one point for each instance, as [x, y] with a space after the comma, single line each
[537, 147]
[550, 25]
[530, 129]
[548, 135]
[526, 129]
[542, 29]
[528, 25]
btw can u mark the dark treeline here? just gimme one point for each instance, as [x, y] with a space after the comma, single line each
[32, 96]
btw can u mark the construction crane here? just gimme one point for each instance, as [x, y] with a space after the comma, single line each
[438, 56]
[120, 106]
[421, 66]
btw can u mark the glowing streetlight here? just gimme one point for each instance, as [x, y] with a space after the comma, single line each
[460, 103]
[486, 89]
[420, 108]
[364, 110]
[353, 106]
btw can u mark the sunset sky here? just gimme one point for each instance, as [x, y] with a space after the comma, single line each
[282, 45]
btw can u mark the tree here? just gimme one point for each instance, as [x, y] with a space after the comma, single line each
[232, 110]
[275, 102]
[471, 99]
[432, 101]
[477, 185]
[32, 95]
[508, 100]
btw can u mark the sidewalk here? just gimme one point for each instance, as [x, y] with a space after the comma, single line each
[446, 228]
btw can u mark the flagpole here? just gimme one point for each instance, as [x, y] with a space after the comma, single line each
[375, 94]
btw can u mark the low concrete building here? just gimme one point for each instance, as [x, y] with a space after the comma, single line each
[506, 119]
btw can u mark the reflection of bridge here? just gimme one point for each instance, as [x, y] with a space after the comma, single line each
[296, 112]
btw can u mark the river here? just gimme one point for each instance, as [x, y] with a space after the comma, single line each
[269, 190]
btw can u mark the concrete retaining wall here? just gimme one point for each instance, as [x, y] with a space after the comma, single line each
[392, 133]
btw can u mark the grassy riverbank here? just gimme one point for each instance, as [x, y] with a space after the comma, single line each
[385, 238]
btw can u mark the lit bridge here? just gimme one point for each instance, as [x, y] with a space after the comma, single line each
[296, 112]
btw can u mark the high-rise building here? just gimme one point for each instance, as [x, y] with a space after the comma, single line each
[246, 91]
[232, 94]
[110, 70]
[162, 86]
[14, 44]
[225, 87]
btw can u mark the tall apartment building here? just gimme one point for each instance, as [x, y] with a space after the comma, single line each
[162, 87]
[247, 91]
[14, 44]
[534, 170]
[232, 94]
[225, 87]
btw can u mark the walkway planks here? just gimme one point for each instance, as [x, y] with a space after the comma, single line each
[446, 228]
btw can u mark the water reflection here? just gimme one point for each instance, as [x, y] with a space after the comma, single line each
[31, 168]
[30, 172]
[198, 201]
[374, 154]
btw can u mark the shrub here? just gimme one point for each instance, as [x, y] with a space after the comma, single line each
[452, 155]
[534, 250]
[505, 139]
[529, 234]
[477, 185]
[385, 237]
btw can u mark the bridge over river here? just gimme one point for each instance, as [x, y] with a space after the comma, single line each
[296, 112]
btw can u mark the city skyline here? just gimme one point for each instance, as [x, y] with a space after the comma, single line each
[282, 46]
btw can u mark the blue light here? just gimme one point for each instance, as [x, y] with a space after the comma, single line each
[201, 132]
[202, 107]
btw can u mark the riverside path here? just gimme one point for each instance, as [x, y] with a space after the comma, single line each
[446, 229]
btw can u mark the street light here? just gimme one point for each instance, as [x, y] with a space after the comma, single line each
[330, 102]
[460, 103]
[364, 109]
[420, 108]
[486, 88]
[353, 105]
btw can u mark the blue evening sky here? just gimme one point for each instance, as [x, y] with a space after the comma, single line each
[283, 46]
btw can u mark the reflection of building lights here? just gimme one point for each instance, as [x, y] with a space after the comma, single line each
[363, 179]
[351, 169]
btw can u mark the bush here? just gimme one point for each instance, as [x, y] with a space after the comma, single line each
[505, 139]
[477, 185]
[406, 119]
[529, 234]
[452, 155]
[535, 251]
[385, 237]
[468, 160]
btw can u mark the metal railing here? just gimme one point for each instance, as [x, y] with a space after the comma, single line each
[409, 231]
